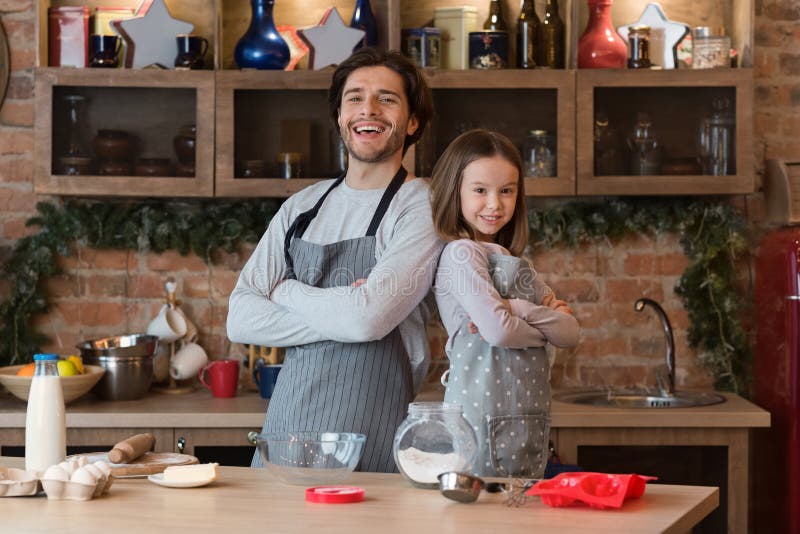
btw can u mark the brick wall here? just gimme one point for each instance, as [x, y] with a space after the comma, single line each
[777, 79]
[105, 292]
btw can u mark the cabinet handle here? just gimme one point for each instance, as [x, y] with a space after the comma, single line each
[181, 444]
[251, 437]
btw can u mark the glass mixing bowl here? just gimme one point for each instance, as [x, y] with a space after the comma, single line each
[310, 458]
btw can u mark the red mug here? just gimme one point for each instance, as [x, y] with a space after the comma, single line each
[224, 377]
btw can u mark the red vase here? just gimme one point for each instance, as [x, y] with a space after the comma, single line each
[600, 46]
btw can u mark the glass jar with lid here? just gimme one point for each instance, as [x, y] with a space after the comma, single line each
[434, 438]
[711, 48]
[539, 154]
[639, 40]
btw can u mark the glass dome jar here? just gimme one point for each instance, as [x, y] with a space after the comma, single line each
[539, 154]
[434, 438]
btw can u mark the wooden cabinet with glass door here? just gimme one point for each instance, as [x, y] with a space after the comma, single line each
[114, 133]
[121, 131]
[679, 132]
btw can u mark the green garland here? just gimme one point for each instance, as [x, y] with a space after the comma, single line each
[713, 238]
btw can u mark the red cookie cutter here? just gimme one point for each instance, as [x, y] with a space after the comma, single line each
[598, 490]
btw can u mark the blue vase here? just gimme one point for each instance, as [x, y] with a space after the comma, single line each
[363, 19]
[262, 47]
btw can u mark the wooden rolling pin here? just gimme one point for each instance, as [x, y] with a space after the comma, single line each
[130, 449]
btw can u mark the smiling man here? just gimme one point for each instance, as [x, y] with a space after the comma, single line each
[341, 275]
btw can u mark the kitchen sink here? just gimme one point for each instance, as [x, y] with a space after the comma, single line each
[639, 399]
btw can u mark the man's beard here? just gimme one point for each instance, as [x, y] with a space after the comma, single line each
[393, 144]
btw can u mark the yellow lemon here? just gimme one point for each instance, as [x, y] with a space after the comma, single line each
[66, 368]
[78, 362]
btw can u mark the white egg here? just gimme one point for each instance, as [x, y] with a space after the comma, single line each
[103, 466]
[83, 476]
[94, 470]
[75, 464]
[67, 467]
[55, 472]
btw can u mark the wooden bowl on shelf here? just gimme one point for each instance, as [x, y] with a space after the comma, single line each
[74, 386]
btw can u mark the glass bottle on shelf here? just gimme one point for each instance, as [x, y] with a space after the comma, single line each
[539, 154]
[363, 19]
[608, 157]
[77, 139]
[645, 148]
[600, 46]
[551, 38]
[495, 20]
[716, 146]
[527, 36]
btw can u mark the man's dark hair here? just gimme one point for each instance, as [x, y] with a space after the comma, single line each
[418, 94]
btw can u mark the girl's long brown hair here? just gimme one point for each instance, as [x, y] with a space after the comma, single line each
[446, 188]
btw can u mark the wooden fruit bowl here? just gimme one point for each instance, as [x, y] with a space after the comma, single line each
[74, 386]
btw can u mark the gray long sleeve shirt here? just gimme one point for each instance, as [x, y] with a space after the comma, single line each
[267, 310]
[464, 289]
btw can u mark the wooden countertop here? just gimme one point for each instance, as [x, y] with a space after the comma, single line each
[200, 410]
[245, 499]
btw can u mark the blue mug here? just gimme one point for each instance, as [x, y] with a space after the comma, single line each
[265, 376]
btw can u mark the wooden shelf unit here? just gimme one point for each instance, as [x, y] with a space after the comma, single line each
[542, 99]
[156, 90]
[201, 13]
[682, 97]
[554, 91]
[563, 99]
[262, 83]
[234, 19]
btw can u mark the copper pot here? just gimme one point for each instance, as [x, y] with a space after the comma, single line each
[154, 167]
[114, 168]
[113, 145]
[184, 144]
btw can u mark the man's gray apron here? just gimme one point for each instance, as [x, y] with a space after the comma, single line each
[505, 392]
[342, 387]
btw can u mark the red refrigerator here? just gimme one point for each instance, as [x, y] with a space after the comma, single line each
[776, 475]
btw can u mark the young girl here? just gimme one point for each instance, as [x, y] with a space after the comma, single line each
[498, 314]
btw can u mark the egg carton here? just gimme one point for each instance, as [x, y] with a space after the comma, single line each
[76, 480]
[17, 482]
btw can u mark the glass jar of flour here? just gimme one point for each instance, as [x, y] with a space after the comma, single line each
[434, 438]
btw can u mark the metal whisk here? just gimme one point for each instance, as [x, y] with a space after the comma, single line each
[515, 491]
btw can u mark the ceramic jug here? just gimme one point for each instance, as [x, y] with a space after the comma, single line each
[600, 46]
[262, 47]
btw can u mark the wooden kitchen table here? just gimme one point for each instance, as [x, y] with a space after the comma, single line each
[250, 500]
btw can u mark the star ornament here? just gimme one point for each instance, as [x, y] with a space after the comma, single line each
[664, 35]
[330, 42]
[153, 35]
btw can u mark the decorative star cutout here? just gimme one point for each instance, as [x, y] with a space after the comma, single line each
[297, 48]
[331, 42]
[664, 35]
[153, 35]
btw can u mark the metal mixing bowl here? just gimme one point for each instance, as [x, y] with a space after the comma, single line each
[125, 345]
[128, 361]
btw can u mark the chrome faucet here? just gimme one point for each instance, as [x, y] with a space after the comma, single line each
[668, 388]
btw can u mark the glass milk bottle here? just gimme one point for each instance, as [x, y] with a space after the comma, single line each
[45, 422]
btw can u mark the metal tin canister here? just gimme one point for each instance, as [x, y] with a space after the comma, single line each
[488, 49]
[423, 46]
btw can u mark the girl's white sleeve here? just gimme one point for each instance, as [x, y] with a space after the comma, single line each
[463, 273]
